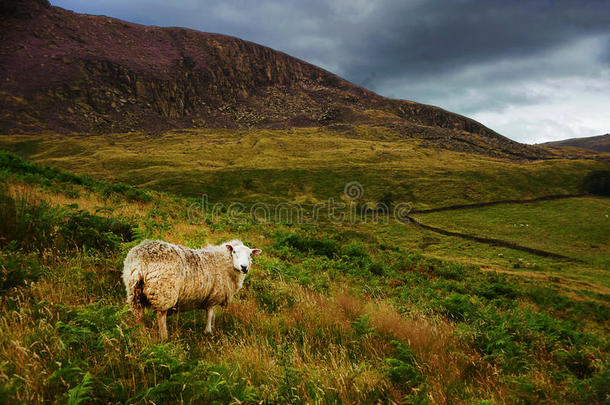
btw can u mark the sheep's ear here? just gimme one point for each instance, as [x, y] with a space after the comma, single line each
[230, 248]
[256, 251]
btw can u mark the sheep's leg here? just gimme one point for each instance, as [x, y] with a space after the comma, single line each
[135, 301]
[162, 320]
[208, 326]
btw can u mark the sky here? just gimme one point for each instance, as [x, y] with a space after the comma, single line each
[534, 71]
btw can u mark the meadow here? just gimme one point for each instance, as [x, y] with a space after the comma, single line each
[538, 224]
[332, 312]
[303, 165]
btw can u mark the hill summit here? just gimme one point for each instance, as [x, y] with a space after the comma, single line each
[599, 143]
[68, 72]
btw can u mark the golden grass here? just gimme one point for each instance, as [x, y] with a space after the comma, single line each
[86, 201]
[444, 359]
[216, 149]
[323, 356]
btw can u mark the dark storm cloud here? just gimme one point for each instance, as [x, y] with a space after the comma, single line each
[470, 56]
[606, 54]
[431, 37]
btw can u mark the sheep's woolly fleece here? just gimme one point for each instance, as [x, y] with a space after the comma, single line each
[177, 277]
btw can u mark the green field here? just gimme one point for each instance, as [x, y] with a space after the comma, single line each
[333, 312]
[306, 165]
[577, 227]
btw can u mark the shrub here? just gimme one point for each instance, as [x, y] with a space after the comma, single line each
[130, 193]
[16, 271]
[362, 326]
[321, 247]
[31, 225]
[37, 226]
[449, 271]
[92, 327]
[600, 389]
[354, 250]
[180, 379]
[458, 307]
[83, 230]
[15, 164]
[597, 182]
[82, 392]
[402, 369]
[376, 268]
[502, 339]
[577, 361]
[269, 298]
[495, 287]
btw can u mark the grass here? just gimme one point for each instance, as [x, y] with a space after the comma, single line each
[581, 232]
[331, 313]
[304, 165]
[46, 175]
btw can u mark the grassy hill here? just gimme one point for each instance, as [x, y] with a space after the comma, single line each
[600, 143]
[537, 225]
[304, 165]
[333, 311]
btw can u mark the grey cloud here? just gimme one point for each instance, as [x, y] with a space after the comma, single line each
[424, 38]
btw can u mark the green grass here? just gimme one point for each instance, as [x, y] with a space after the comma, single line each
[331, 313]
[305, 165]
[46, 175]
[575, 227]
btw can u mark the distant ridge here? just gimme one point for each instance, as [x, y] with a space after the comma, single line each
[67, 72]
[600, 143]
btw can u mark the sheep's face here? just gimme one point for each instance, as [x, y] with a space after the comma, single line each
[242, 257]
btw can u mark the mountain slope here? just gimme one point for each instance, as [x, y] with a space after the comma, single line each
[67, 72]
[600, 143]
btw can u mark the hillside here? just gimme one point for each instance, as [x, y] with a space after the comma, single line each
[330, 313]
[303, 165]
[600, 143]
[66, 72]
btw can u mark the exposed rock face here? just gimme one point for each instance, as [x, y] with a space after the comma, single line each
[67, 72]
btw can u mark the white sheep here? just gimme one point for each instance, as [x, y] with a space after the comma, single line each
[170, 277]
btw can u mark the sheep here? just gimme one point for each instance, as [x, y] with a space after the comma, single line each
[168, 277]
